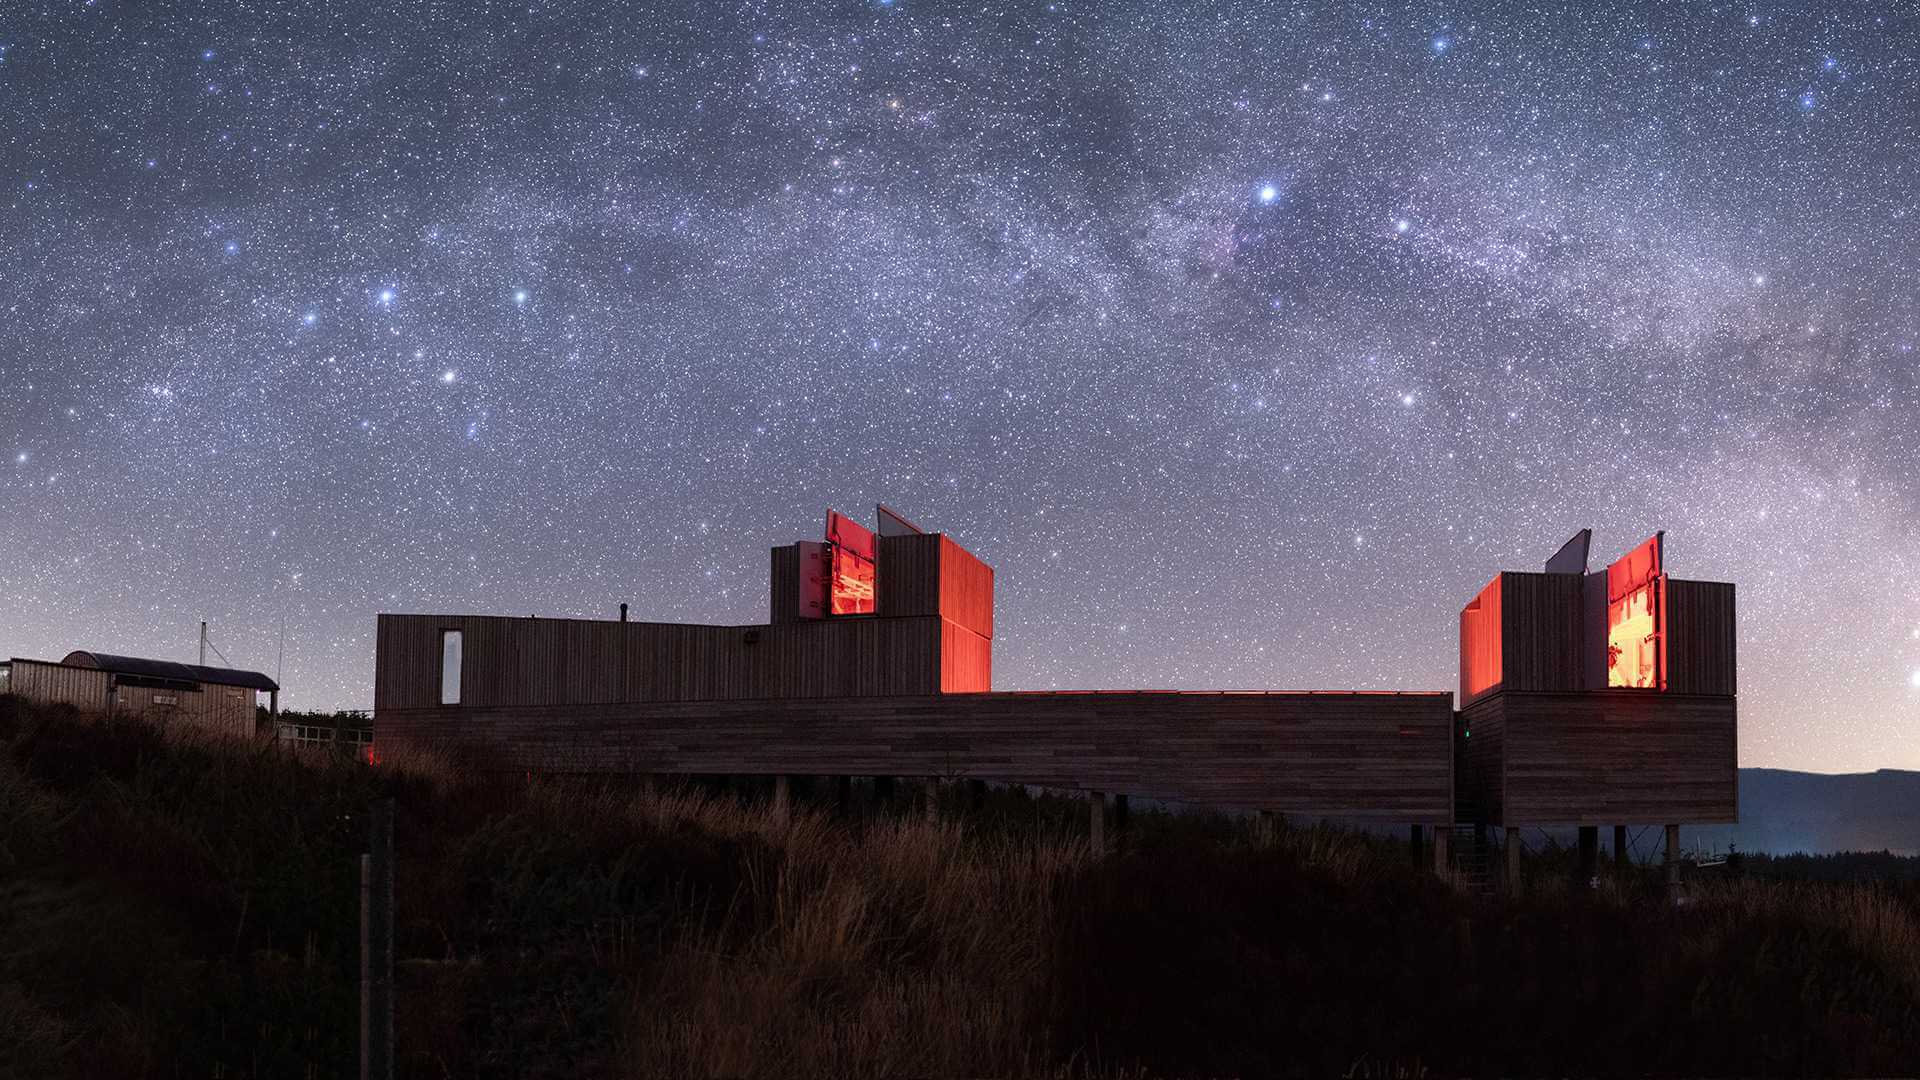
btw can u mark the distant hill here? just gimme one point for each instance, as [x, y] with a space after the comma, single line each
[1783, 811]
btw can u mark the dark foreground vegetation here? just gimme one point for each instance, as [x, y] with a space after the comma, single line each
[173, 907]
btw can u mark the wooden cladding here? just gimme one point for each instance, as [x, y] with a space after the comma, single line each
[1700, 637]
[1382, 757]
[1480, 637]
[929, 574]
[1601, 757]
[1541, 635]
[509, 661]
[966, 660]
[86, 689]
[1538, 632]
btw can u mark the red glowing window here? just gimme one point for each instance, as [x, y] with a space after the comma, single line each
[1636, 618]
[851, 591]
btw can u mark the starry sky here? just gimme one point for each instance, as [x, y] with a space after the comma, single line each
[1247, 341]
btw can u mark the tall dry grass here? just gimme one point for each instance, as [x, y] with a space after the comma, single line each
[178, 905]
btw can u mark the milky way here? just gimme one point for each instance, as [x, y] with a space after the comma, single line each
[1246, 341]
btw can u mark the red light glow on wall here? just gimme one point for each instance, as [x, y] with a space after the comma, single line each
[852, 588]
[1480, 642]
[1636, 618]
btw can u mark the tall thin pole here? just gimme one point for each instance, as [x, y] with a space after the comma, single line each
[203, 643]
[376, 946]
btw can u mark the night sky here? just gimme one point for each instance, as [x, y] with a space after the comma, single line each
[1245, 341]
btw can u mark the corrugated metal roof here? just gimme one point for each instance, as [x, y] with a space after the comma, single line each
[169, 669]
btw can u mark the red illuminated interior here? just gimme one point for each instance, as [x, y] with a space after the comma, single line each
[851, 591]
[1636, 619]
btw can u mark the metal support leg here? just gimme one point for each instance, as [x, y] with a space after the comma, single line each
[1097, 822]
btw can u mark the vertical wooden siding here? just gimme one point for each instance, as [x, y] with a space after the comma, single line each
[1480, 633]
[57, 684]
[783, 598]
[966, 589]
[966, 660]
[1480, 783]
[1541, 633]
[1700, 637]
[540, 662]
[932, 575]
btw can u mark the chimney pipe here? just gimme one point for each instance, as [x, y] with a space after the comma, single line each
[623, 613]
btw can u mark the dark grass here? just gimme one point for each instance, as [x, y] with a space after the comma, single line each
[172, 907]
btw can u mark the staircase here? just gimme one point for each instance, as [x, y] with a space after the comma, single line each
[1474, 858]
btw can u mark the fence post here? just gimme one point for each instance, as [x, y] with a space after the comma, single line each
[1097, 822]
[376, 945]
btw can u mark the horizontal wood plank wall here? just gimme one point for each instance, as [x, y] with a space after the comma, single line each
[1700, 637]
[1618, 757]
[1541, 635]
[1480, 783]
[543, 662]
[58, 684]
[966, 660]
[1383, 757]
[966, 589]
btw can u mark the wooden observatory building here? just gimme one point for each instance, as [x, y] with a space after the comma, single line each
[876, 660]
[216, 699]
[1593, 698]
[1585, 698]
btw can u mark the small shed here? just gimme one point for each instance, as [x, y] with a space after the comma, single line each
[222, 700]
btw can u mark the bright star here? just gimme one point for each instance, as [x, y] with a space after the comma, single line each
[519, 296]
[1914, 679]
[1808, 101]
[1406, 400]
[1441, 44]
[309, 318]
[1268, 193]
[386, 297]
[1402, 225]
[449, 375]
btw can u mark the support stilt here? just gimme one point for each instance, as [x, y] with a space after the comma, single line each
[1673, 856]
